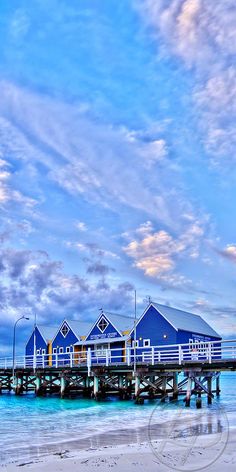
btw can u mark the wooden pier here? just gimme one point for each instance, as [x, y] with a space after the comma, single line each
[167, 373]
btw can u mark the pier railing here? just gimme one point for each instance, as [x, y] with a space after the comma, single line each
[198, 352]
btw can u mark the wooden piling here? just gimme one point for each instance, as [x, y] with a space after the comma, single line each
[218, 385]
[189, 392]
[175, 385]
[209, 388]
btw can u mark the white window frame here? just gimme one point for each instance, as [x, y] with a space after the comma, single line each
[137, 343]
[101, 349]
[146, 343]
[54, 351]
[43, 352]
[107, 324]
[37, 352]
[64, 335]
[68, 349]
[61, 350]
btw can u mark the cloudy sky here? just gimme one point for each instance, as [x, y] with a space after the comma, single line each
[117, 159]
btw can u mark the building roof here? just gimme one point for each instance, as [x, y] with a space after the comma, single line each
[80, 328]
[183, 320]
[121, 322]
[48, 332]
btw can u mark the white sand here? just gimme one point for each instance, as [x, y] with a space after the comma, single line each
[213, 452]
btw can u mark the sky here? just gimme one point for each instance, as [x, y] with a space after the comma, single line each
[117, 160]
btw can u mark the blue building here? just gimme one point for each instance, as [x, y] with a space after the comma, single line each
[66, 337]
[162, 325]
[39, 343]
[110, 331]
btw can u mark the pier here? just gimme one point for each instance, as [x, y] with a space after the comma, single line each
[166, 372]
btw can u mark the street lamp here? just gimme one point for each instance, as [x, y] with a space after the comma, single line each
[14, 346]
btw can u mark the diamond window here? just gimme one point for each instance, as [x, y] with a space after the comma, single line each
[102, 325]
[64, 330]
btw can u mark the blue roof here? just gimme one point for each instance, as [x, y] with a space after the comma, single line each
[183, 320]
[48, 332]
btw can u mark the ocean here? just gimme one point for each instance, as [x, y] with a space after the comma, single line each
[31, 427]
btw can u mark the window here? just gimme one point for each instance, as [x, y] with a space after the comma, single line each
[102, 325]
[101, 350]
[137, 344]
[146, 342]
[64, 330]
[38, 351]
[67, 349]
[43, 352]
[61, 350]
[54, 350]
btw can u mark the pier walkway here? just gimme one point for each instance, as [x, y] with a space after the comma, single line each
[165, 371]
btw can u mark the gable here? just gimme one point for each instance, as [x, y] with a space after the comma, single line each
[102, 329]
[39, 342]
[65, 335]
[152, 325]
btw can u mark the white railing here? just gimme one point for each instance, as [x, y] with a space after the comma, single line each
[207, 352]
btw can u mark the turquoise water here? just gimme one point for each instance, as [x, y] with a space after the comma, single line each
[30, 424]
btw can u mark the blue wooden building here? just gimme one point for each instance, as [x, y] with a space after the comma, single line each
[162, 325]
[39, 342]
[110, 331]
[66, 337]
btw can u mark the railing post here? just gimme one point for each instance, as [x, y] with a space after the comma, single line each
[209, 353]
[107, 358]
[34, 362]
[128, 356]
[153, 360]
[89, 361]
[56, 360]
[71, 359]
[180, 355]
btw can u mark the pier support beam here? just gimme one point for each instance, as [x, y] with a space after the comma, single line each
[209, 388]
[189, 392]
[218, 386]
[96, 387]
[64, 384]
[163, 395]
[38, 384]
[175, 386]
[137, 386]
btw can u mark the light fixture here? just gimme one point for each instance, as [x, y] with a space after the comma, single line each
[164, 336]
[140, 339]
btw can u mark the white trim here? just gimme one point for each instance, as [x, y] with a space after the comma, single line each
[61, 350]
[107, 324]
[43, 352]
[137, 343]
[54, 350]
[148, 341]
[65, 324]
[68, 349]
[97, 321]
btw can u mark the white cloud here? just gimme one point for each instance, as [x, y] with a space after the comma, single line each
[157, 253]
[203, 35]
[39, 130]
[81, 226]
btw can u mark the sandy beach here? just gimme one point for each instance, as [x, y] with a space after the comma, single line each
[215, 452]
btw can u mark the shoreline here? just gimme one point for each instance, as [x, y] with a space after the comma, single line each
[136, 457]
[104, 450]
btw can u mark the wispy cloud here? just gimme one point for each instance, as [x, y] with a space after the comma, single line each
[202, 36]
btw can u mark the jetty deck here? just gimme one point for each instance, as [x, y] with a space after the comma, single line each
[163, 372]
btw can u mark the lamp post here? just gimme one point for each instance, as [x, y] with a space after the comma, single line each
[14, 346]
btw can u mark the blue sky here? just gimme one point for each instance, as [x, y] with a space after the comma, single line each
[117, 158]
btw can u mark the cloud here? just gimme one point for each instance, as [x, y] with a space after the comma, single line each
[31, 282]
[44, 135]
[100, 269]
[229, 252]
[157, 253]
[202, 36]
[81, 226]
